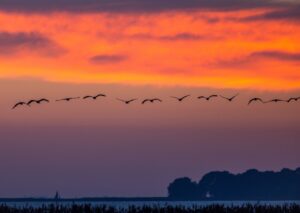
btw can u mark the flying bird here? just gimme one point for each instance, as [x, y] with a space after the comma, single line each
[38, 101]
[151, 100]
[230, 99]
[68, 99]
[127, 101]
[292, 99]
[207, 98]
[255, 99]
[275, 100]
[94, 97]
[180, 99]
[21, 103]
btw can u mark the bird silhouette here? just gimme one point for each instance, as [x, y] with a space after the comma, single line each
[207, 98]
[127, 101]
[255, 99]
[38, 101]
[68, 99]
[292, 99]
[180, 99]
[21, 103]
[274, 100]
[229, 99]
[151, 100]
[94, 97]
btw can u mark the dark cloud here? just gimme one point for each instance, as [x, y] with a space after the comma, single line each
[103, 59]
[176, 37]
[130, 5]
[184, 36]
[11, 43]
[255, 56]
[278, 55]
[290, 13]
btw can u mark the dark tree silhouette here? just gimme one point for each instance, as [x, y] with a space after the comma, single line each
[183, 188]
[250, 185]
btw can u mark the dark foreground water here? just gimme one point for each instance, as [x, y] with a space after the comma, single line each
[152, 206]
[125, 204]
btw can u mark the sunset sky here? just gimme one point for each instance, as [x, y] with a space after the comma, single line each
[140, 49]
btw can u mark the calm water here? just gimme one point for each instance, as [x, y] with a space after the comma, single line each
[125, 204]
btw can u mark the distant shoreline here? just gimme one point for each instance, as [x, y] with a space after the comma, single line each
[123, 199]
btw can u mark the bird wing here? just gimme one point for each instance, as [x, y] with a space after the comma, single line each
[103, 95]
[213, 96]
[256, 99]
[274, 100]
[235, 96]
[224, 97]
[185, 96]
[200, 97]
[132, 100]
[86, 97]
[17, 104]
[31, 101]
[253, 99]
[261, 100]
[44, 100]
[66, 99]
[120, 100]
[156, 99]
[144, 101]
[231, 98]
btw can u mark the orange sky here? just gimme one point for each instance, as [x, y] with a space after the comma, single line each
[214, 49]
[55, 49]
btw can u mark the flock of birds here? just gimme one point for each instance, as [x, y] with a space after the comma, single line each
[151, 100]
